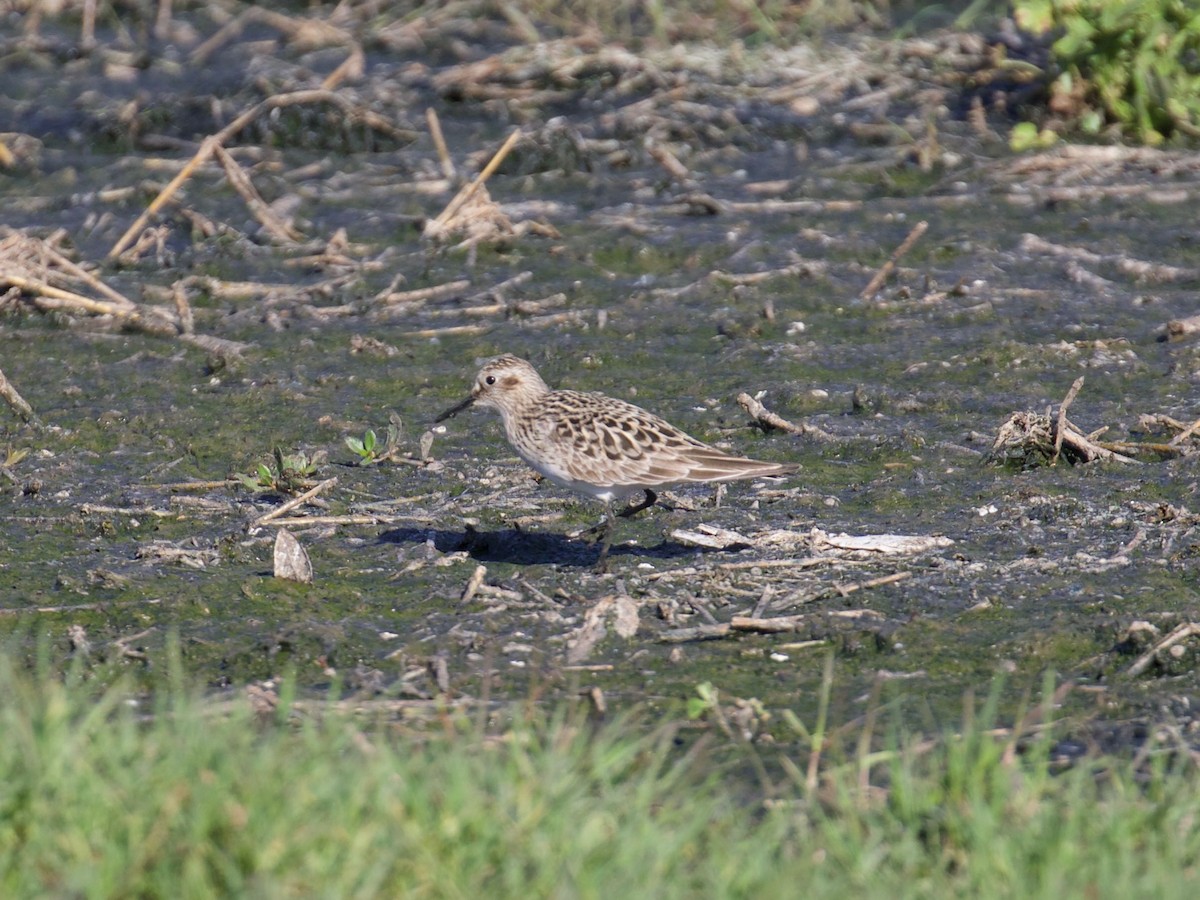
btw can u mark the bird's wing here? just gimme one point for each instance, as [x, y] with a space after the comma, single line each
[605, 441]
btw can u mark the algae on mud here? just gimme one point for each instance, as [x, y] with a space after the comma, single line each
[787, 201]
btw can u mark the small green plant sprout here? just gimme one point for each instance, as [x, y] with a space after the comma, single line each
[1027, 136]
[364, 447]
[743, 718]
[290, 473]
[368, 449]
[707, 699]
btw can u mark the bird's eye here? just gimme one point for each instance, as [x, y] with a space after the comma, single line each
[491, 379]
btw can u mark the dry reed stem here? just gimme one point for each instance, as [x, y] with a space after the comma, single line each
[183, 308]
[337, 520]
[48, 297]
[49, 293]
[88, 509]
[445, 332]
[199, 158]
[199, 485]
[439, 143]
[1089, 450]
[805, 269]
[78, 607]
[87, 28]
[669, 162]
[806, 562]
[296, 501]
[162, 20]
[886, 269]
[224, 290]
[780, 624]
[1136, 268]
[308, 33]
[473, 583]
[1061, 425]
[1144, 447]
[844, 590]
[1185, 434]
[223, 347]
[1186, 630]
[69, 266]
[15, 401]
[694, 633]
[521, 23]
[240, 180]
[469, 191]
[448, 289]
[769, 420]
[208, 146]
[794, 207]
[352, 67]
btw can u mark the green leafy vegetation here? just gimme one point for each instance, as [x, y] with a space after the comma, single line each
[1027, 136]
[289, 474]
[364, 447]
[367, 447]
[105, 793]
[1133, 65]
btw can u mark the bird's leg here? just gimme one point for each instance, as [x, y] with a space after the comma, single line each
[603, 530]
[592, 533]
[607, 524]
[631, 510]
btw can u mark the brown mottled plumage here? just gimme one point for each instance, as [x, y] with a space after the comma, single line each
[597, 445]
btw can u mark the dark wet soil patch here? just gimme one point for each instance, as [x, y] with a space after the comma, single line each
[674, 227]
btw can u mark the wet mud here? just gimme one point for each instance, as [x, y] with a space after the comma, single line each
[673, 227]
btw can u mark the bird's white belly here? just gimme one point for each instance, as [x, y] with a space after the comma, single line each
[605, 493]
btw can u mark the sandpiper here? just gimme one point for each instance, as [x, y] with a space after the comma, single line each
[599, 446]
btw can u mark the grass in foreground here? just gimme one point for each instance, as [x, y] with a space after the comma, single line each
[98, 799]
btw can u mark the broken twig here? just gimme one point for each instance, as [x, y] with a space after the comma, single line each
[1061, 426]
[296, 501]
[1186, 630]
[768, 419]
[886, 269]
[15, 400]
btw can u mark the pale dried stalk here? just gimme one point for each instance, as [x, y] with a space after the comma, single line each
[469, 191]
[209, 144]
[439, 143]
[1186, 630]
[1061, 427]
[296, 501]
[886, 269]
[258, 207]
[15, 400]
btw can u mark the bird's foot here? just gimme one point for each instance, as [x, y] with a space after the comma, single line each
[634, 508]
[601, 567]
[591, 534]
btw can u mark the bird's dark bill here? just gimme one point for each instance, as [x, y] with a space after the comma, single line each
[454, 410]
